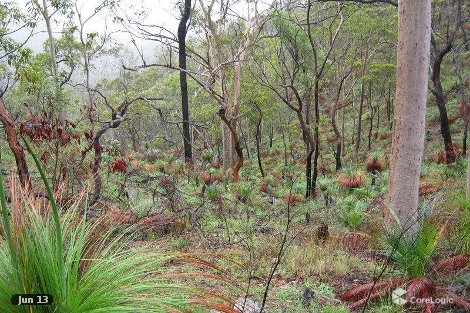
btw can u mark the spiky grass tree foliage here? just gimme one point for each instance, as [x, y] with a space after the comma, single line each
[351, 179]
[462, 231]
[44, 252]
[375, 163]
[421, 280]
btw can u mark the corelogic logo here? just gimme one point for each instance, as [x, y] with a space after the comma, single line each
[398, 297]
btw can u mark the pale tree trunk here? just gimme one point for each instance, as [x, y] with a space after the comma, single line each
[236, 98]
[47, 19]
[413, 57]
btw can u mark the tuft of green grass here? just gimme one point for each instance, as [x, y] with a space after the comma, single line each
[462, 231]
[353, 216]
[85, 268]
[414, 255]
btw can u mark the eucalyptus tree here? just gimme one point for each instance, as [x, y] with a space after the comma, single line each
[413, 58]
[448, 34]
[48, 9]
[293, 65]
[212, 59]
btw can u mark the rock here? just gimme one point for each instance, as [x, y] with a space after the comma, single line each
[246, 305]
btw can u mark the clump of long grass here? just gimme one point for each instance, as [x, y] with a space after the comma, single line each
[462, 231]
[414, 255]
[85, 268]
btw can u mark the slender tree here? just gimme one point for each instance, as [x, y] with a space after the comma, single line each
[182, 31]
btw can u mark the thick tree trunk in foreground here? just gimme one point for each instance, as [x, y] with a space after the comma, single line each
[413, 57]
[182, 30]
[15, 147]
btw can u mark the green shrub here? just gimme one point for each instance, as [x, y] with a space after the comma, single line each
[207, 155]
[84, 268]
[354, 215]
[413, 255]
[462, 231]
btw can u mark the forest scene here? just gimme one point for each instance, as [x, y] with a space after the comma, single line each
[234, 156]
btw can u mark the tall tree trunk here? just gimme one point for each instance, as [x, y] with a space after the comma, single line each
[377, 125]
[237, 97]
[468, 174]
[338, 134]
[271, 137]
[464, 138]
[15, 146]
[371, 122]
[414, 37]
[343, 120]
[389, 106]
[235, 139]
[182, 30]
[441, 102]
[316, 136]
[47, 19]
[258, 139]
[353, 133]
[359, 118]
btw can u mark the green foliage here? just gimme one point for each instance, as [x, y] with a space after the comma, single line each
[94, 272]
[208, 155]
[211, 191]
[413, 255]
[353, 216]
[462, 232]
[245, 190]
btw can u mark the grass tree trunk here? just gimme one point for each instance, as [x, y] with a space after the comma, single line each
[182, 30]
[414, 37]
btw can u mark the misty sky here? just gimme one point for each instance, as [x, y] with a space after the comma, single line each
[159, 12]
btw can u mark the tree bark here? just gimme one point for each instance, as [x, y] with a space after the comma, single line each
[238, 148]
[47, 19]
[182, 30]
[338, 134]
[371, 122]
[413, 58]
[468, 174]
[258, 139]
[441, 102]
[359, 118]
[316, 136]
[15, 146]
